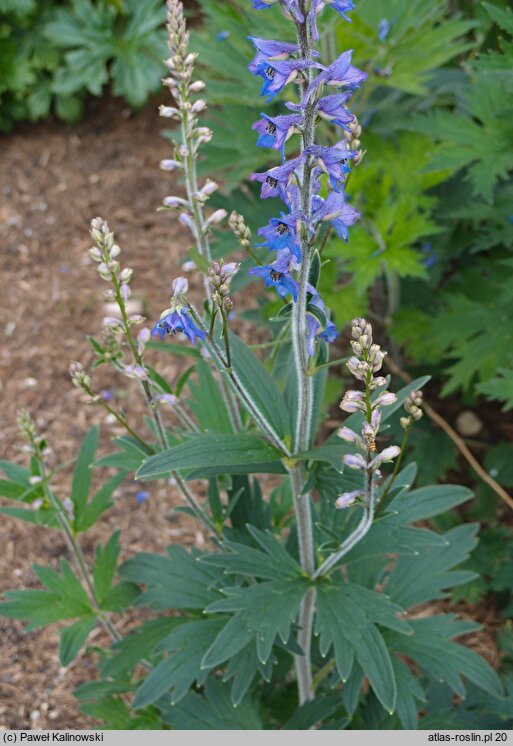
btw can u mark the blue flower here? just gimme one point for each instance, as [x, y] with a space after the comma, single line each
[222, 35]
[176, 319]
[340, 74]
[177, 322]
[275, 131]
[141, 497]
[276, 74]
[342, 7]
[277, 179]
[263, 4]
[384, 29]
[315, 330]
[269, 51]
[281, 233]
[278, 275]
[338, 212]
[334, 161]
[333, 109]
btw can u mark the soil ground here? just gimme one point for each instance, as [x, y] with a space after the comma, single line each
[53, 180]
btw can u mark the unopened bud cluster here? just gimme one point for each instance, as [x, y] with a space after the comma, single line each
[353, 135]
[79, 377]
[367, 361]
[413, 406]
[219, 276]
[240, 229]
[26, 426]
[105, 254]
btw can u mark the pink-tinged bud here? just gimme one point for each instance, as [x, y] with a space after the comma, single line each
[199, 106]
[231, 268]
[209, 188]
[189, 266]
[144, 335]
[217, 217]
[354, 395]
[347, 434]
[111, 321]
[180, 286]
[368, 431]
[348, 498]
[188, 222]
[385, 399]
[380, 381]
[197, 86]
[350, 406]
[376, 419]
[169, 399]
[389, 454]
[355, 461]
[183, 151]
[170, 165]
[125, 292]
[169, 112]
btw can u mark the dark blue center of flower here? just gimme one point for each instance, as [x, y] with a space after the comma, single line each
[271, 128]
[276, 276]
[282, 229]
[273, 183]
[270, 72]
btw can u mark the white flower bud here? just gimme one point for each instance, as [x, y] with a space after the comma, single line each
[180, 286]
[170, 165]
[199, 106]
[126, 275]
[96, 254]
[197, 86]
[169, 112]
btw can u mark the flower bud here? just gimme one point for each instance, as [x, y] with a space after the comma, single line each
[199, 106]
[385, 399]
[96, 254]
[170, 165]
[180, 286]
[197, 86]
[355, 461]
[348, 498]
[126, 275]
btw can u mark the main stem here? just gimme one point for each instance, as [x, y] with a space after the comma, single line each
[305, 396]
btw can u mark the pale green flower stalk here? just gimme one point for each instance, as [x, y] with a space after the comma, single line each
[185, 90]
[105, 253]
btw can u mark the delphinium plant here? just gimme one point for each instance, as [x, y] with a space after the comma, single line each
[302, 611]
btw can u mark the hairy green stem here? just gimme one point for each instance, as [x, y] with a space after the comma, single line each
[305, 389]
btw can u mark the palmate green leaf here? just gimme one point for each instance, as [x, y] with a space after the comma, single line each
[218, 453]
[64, 599]
[242, 669]
[261, 613]
[129, 458]
[444, 660]
[175, 674]
[207, 403]
[314, 712]
[138, 645]
[426, 577]
[83, 474]
[409, 694]
[111, 598]
[99, 503]
[422, 37]
[500, 388]
[73, 638]
[212, 710]
[343, 624]
[271, 563]
[174, 581]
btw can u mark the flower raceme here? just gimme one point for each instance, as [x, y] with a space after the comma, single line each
[326, 168]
